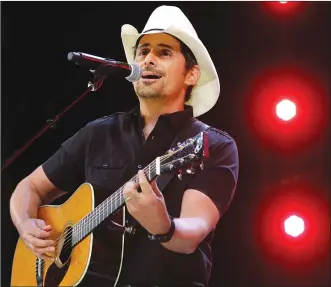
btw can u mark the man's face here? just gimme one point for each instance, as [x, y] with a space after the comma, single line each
[163, 66]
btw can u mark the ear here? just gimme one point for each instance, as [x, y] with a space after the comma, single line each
[193, 76]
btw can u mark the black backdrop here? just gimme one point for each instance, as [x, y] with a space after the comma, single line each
[243, 39]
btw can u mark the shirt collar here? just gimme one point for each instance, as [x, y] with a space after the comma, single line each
[176, 119]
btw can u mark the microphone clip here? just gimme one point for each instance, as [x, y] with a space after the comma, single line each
[99, 76]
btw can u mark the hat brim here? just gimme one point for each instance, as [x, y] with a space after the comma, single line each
[206, 92]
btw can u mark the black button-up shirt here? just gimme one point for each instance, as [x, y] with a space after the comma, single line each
[107, 152]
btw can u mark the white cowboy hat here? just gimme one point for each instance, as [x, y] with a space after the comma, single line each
[171, 20]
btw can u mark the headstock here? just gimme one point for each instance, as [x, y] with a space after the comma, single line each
[186, 156]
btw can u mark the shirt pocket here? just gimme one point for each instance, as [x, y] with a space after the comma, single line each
[110, 175]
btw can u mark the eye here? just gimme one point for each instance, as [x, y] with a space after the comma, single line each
[166, 53]
[143, 52]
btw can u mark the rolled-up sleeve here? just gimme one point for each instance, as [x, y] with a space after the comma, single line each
[219, 178]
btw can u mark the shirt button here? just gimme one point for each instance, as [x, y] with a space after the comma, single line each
[140, 166]
[153, 137]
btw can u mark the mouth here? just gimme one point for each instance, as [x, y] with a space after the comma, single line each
[150, 77]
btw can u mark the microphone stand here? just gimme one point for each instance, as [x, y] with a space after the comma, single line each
[93, 86]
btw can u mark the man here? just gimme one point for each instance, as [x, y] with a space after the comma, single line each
[177, 69]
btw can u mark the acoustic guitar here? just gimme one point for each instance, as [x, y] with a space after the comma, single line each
[74, 222]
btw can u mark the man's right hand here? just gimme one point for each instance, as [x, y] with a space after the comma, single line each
[34, 233]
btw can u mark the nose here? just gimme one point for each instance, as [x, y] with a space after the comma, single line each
[150, 59]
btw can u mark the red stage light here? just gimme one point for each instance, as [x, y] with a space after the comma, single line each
[286, 110]
[283, 8]
[294, 226]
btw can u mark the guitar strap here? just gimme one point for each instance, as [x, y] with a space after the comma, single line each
[190, 129]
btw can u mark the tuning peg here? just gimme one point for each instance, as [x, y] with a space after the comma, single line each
[201, 166]
[180, 175]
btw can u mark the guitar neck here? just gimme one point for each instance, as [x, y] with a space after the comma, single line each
[109, 206]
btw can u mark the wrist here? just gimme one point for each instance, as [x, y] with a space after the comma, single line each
[161, 228]
[164, 236]
[18, 222]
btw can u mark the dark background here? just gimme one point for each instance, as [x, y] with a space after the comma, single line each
[243, 39]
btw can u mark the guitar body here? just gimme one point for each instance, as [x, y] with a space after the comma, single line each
[58, 273]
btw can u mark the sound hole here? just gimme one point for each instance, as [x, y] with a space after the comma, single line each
[64, 247]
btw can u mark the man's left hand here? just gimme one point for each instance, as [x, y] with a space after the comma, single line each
[148, 206]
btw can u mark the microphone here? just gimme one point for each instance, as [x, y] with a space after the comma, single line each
[106, 67]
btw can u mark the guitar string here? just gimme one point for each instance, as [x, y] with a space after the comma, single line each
[118, 195]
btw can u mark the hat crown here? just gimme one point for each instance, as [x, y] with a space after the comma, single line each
[164, 17]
